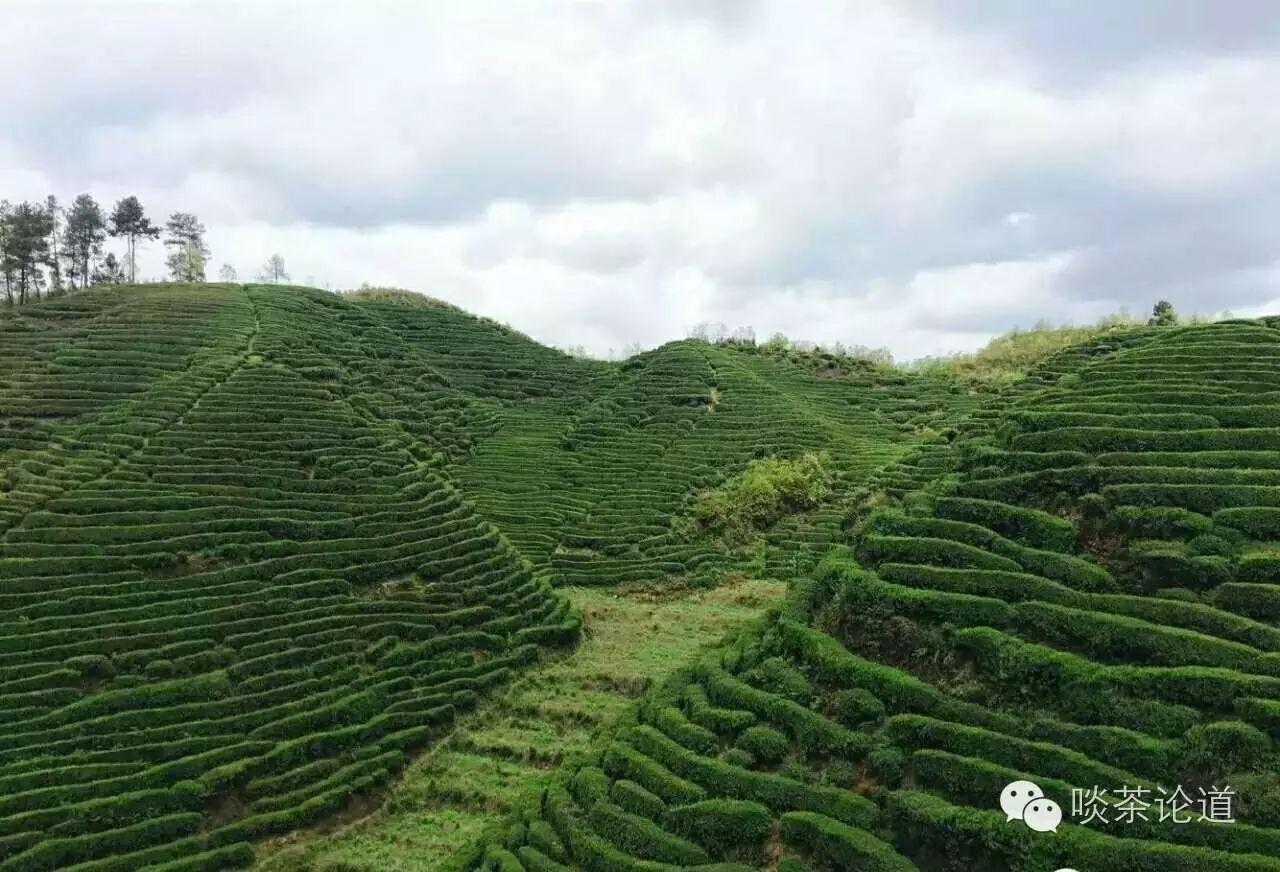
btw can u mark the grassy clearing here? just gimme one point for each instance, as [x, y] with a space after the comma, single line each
[511, 744]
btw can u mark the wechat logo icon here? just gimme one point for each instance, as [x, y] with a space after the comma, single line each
[1026, 802]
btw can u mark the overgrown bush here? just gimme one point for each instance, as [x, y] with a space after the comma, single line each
[755, 499]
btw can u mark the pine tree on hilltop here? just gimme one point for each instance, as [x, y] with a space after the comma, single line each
[25, 248]
[188, 253]
[53, 210]
[128, 219]
[82, 237]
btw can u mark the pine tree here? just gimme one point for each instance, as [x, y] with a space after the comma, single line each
[6, 266]
[128, 219]
[82, 239]
[188, 253]
[55, 268]
[26, 248]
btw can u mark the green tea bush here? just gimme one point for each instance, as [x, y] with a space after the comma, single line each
[1260, 522]
[725, 826]
[775, 675]
[841, 845]
[856, 706]
[1224, 747]
[767, 745]
[641, 837]
[633, 798]
[1030, 526]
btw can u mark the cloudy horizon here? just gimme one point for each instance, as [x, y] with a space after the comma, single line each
[920, 175]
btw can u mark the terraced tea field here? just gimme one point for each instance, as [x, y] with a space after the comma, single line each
[261, 546]
[233, 597]
[584, 465]
[1079, 592]
[329, 583]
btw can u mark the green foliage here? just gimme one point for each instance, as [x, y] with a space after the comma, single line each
[188, 253]
[622, 760]
[776, 676]
[765, 744]
[718, 720]
[725, 826]
[672, 721]
[633, 798]
[1163, 315]
[397, 296]
[1030, 526]
[761, 495]
[856, 706]
[813, 733]
[641, 837]
[1224, 747]
[1260, 522]
[779, 793]
[978, 838]
[129, 220]
[1007, 358]
[1160, 522]
[841, 845]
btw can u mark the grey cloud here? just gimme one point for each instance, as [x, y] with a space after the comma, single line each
[979, 323]
[1133, 246]
[1070, 40]
[726, 13]
[459, 192]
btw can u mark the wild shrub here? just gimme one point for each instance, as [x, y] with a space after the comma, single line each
[763, 493]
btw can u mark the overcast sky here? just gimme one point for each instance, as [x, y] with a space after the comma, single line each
[920, 174]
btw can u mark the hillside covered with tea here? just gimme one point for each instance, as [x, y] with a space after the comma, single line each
[260, 546]
[363, 582]
[1079, 591]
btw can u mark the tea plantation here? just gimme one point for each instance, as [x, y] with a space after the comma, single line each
[263, 549]
[584, 465]
[261, 545]
[238, 587]
[1078, 590]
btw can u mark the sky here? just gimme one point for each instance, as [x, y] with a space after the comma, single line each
[919, 175]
